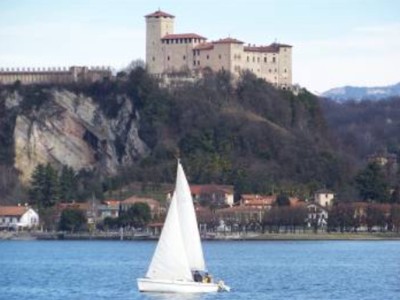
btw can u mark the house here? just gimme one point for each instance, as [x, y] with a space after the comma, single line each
[108, 209]
[324, 197]
[18, 217]
[155, 207]
[88, 208]
[257, 201]
[210, 194]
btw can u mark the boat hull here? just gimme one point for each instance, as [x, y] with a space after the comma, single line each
[170, 286]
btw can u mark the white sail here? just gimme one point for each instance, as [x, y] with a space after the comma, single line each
[188, 222]
[169, 257]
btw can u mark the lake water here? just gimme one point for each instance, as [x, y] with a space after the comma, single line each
[38, 270]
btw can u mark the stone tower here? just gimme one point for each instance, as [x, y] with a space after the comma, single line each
[158, 24]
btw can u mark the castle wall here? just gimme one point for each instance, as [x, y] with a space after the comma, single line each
[53, 75]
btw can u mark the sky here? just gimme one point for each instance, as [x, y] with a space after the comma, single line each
[335, 42]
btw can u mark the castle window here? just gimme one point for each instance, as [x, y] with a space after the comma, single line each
[186, 40]
[274, 59]
[270, 70]
[153, 58]
[184, 57]
[177, 41]
[190, 40]
[248, 59]
[265, 59]
[208, 56]
[254, 59]
[167, 57]
[181, 41]
[285, 70]
[198, 63]
[194, 63]
[219, 56]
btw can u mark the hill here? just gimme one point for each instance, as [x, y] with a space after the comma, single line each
[342, 94]
[245, 133]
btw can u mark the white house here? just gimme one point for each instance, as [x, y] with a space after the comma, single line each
[324, 197]
[18, 217]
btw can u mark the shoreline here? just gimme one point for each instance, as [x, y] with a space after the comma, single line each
[323, 236]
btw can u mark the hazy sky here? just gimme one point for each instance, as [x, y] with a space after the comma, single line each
[336, 42]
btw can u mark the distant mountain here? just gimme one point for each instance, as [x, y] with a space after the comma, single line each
[343, 94]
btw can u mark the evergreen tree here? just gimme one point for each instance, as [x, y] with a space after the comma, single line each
[371, 184]
[44, 191]
[72, 220]
[68, 184]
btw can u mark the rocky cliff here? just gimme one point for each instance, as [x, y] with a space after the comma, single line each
[70, 129]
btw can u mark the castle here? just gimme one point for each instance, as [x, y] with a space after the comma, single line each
[53, 75]
[167, 52]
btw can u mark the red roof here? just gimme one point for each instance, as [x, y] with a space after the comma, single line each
[204, 46]
[183, 36]
[159, 14]
[228, 41]
[211, 188]
[12, 210]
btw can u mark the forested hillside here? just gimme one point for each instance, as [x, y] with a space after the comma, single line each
[365, 128]
[246, 133]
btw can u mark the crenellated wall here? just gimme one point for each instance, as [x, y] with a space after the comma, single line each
[53, 75]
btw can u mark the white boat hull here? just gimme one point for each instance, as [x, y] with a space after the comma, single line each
[170, 286]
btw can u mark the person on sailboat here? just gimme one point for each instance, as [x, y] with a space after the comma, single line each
[207, 278]
[197, 276]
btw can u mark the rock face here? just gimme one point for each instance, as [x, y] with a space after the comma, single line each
[71, 130]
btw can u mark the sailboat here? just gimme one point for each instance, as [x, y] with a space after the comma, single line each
[179, 252]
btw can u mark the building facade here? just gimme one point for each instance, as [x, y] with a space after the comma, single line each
[53, 75]
[167, 52]
[18, 217]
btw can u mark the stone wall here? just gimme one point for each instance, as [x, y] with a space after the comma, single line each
[53, 75]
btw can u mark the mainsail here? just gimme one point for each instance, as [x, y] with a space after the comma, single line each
[188, 222]
[168, 260]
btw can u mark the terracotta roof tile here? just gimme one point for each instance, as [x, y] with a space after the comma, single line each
[12, 210]
[211, 188]
[159, 14]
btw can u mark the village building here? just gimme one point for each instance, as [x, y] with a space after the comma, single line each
[324, 197]
[168, 52]
[257, 201]
[210, 194]
[108, 209]
[155, 206]
[18, 217]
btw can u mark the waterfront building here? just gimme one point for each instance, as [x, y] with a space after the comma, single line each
[18, 217]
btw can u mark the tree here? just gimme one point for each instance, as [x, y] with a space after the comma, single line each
[371, 184]
[44, 190]
[68, 184]
[72, 220]
[138, 215]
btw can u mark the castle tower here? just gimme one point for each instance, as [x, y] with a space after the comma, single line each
[158, 24]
